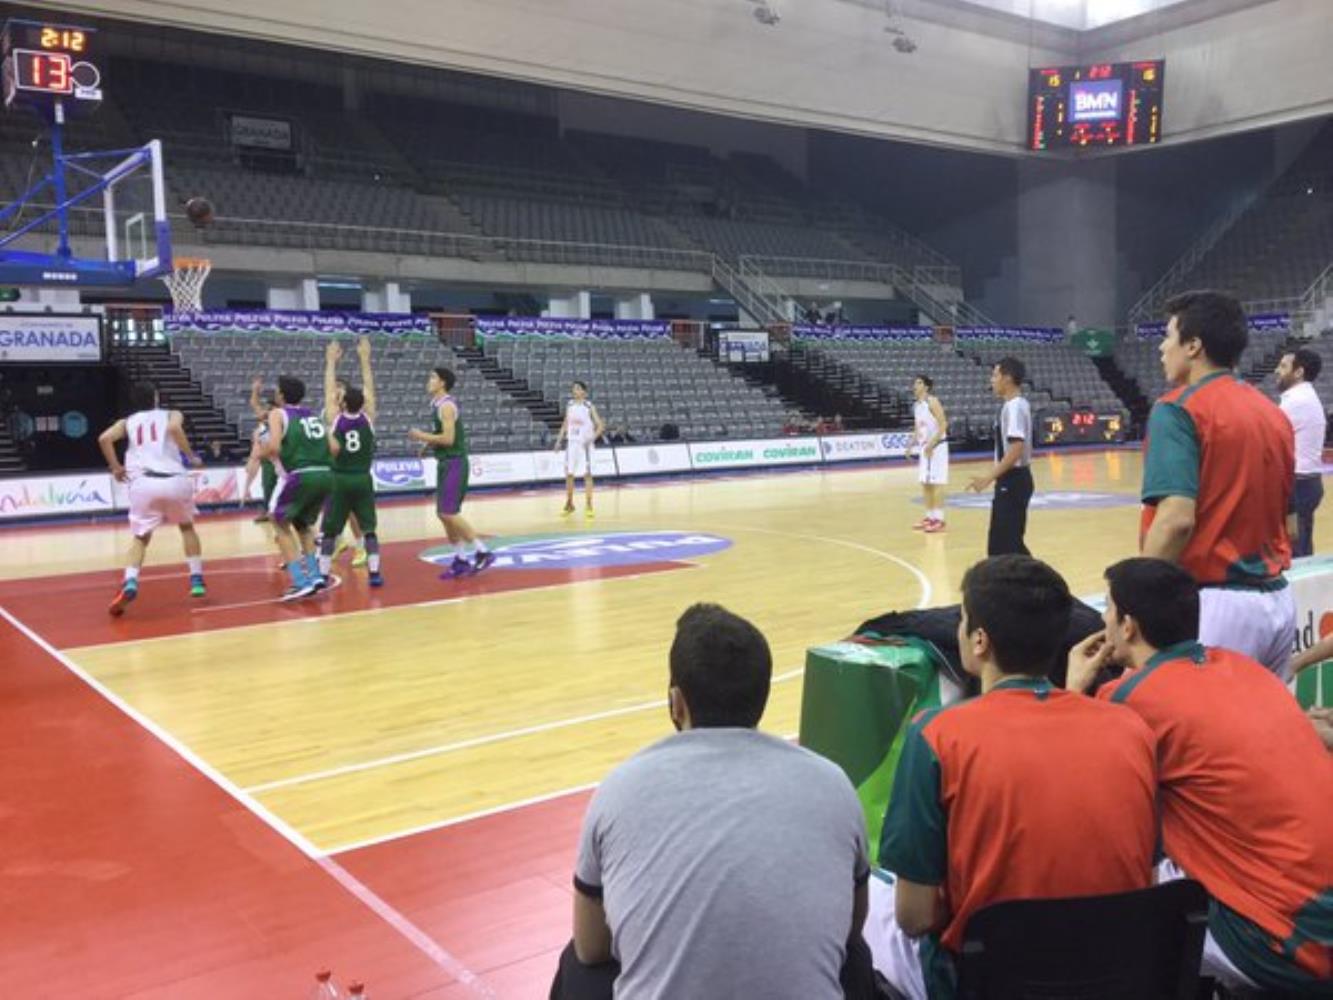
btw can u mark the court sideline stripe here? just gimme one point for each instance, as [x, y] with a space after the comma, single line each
[476, 741]
[444, 824]
[418, 938]
[927, 592]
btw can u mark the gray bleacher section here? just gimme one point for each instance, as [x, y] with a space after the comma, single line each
[641, 385]
[962, 385]
[1141, 360]
[1281, 243]
[224, 364]
[1059, 371]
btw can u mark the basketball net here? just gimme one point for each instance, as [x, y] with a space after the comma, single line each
[186, 282]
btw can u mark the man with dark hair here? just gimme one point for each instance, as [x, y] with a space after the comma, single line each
[1245, 781]
[932, 440]
[720, 861]
[995, 798]
[1296, 372]
[579, 432]
[159, 485]
[1218, 467]
[1012, 472]
[298, 440]
[351, 416]
[448, 438]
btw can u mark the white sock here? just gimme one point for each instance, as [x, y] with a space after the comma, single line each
[479, 545]
[373, 562]
[460, 550]
[196, 564]
[132, 573]
[326, 564]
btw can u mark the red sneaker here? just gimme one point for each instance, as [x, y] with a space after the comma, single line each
[934, 527]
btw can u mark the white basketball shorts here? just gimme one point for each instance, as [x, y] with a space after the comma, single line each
[578, 458]
[159, 500]
[934, 471]
[1259, 623]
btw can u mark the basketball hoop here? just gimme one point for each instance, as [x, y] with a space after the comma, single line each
[186, 282]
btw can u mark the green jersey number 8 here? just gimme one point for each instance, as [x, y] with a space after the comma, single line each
[352, 440]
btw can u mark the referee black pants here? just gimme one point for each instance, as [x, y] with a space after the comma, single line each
[1009, 513]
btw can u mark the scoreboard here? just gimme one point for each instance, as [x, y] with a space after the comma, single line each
[1081, 426]
[1109, 104]
[47, 63]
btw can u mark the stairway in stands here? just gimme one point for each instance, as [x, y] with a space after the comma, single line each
[11, 460]
[177, 390]
[826, 386]
[1129, 392]
[506, 381]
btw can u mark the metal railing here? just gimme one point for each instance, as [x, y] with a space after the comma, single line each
[1150, 303]
[765, 303]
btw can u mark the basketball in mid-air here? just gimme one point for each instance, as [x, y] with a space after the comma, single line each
[199, 210]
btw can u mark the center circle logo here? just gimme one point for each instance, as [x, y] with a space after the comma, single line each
[592, 551]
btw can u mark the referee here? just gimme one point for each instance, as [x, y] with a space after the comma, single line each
[1012, 472]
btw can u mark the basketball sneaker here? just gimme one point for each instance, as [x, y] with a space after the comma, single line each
[921, 524]
[359, 557]
[299, 590]
[482, 560]
[129, 590]
[934, 527]
[459, 567]
[339, 547]
[197, 588]
[568, 510]
[377, 579]
[588, 514]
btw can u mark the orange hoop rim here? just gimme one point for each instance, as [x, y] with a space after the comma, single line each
[181, 263]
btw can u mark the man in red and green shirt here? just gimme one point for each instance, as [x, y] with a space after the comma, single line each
[1218, 467]
[1246, 784]
[979, 815]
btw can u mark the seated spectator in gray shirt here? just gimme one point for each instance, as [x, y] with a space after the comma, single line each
[720, 862]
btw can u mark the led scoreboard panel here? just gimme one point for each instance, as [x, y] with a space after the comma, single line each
[45, 63]
[1081, 426]
[1110, 104]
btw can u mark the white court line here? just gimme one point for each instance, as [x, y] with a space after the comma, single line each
[305, 602]
[927, 591]
[478, 741]
[340, 615]
[444, 824]
[376, 904]
[923, 581]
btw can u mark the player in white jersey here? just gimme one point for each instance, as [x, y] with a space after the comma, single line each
[579, 433]
[156, 452]
[932, 442]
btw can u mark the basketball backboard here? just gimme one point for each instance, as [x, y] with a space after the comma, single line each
[98, 218]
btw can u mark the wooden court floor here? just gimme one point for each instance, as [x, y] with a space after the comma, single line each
[364, 719]
[431, 743]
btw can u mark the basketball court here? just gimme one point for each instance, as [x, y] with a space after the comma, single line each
[392, 781]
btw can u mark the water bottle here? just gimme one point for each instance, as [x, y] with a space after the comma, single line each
[326, 987]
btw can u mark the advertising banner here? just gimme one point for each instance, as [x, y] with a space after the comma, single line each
[502, 469]
[852, 447]
[261, 133]
[638, 459]
[398, 475]
[43, 496]
[550, 465]
[744, 454]
[28, 338]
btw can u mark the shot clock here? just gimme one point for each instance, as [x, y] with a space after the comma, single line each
[49, 65]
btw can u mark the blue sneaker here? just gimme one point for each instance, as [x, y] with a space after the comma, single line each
[197, 588]
[377, 579]
[459, 567]
[129, 590]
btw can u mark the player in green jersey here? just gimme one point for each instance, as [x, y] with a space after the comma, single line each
[448, 439]
[352, 445]
[299, 441]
